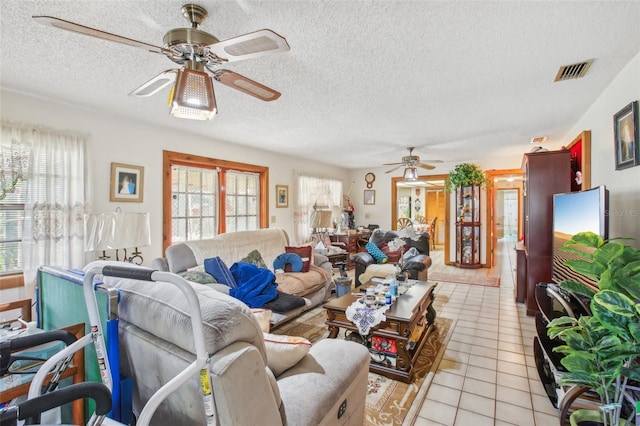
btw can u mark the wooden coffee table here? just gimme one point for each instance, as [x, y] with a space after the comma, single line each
[412, 311]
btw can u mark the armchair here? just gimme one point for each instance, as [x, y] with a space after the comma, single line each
[417, 265]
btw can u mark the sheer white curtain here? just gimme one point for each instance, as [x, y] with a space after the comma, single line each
[56, 203]
[309, 191]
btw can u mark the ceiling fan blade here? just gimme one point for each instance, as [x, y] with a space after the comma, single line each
[391, 164]
[157, 83]
[92, 32]
[246, 85]
[247, 46]
[395, 168]
[426, 166]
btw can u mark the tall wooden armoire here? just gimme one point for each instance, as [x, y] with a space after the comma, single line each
[545, 174]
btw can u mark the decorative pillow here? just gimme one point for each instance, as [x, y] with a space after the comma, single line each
[200, 277]
[264, 317]
[305, 252]
[254, 257]
[289, 262]
[216, 267]
[283, 352]
[376, 253]
[393, 256]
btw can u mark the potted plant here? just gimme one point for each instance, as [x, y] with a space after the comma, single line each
[602, 350]
[465, 174]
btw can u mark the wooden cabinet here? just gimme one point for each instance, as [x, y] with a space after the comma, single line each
[468, 227]
[545, 174]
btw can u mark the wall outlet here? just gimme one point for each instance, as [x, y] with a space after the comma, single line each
[367, 215]
[273, 219]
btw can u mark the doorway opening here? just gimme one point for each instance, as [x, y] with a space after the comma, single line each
[507, 214]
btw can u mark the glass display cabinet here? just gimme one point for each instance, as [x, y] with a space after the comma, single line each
[468, 227]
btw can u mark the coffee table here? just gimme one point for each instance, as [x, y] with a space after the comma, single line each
[409, 321]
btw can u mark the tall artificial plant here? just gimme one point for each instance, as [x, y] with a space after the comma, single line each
[465, 174]
[602, 350]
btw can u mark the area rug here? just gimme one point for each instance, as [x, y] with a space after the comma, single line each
[464, 279]
[388, 401]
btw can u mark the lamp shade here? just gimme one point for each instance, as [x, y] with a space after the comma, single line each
[193, 96]
[112, 231]
[321, 219]
[410, 173]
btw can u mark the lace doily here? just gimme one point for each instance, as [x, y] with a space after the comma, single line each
[364, 317]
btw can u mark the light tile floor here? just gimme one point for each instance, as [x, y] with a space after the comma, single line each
[487, 375]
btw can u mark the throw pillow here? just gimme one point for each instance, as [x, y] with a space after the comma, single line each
[304, 252]
[289, 262]
[392, 256]
[283, 352]
[376, 253]
[200, 277]
[216, 267]
[264, 317]
[254, 257]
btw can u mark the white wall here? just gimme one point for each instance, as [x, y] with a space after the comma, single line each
[623, 185]
[118, 139]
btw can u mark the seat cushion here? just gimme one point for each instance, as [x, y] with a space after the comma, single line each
[302, 283]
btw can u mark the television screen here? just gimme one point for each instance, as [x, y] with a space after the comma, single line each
[574, 212]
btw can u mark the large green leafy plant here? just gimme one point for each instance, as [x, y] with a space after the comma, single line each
[601, 351]
[465, 174]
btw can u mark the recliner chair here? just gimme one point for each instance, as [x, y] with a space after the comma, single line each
[327, 387]
[417, 266]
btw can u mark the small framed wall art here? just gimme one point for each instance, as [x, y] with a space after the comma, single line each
[282, 196]
[625, 127]
[127, 183]
[369, 196]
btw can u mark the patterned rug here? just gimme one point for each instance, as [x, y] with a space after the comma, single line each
[464, 279]
[388, 401]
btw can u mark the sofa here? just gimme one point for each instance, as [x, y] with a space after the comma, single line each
[314, 286]
[417, 265]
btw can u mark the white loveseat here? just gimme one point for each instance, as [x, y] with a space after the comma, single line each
[314, 286]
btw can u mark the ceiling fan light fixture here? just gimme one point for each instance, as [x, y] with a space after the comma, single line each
[410, 173]
[193, 97]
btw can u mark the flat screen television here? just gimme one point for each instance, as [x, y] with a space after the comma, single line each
[575, 212]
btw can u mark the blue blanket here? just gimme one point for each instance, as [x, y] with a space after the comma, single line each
[255, 286]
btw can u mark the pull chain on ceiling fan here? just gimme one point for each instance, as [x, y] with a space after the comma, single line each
[192, 95]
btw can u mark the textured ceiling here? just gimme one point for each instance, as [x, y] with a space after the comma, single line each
[462, 80]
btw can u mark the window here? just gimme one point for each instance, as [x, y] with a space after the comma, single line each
[11, 224]
[314, 191]
[242, 201]
[193, 203]
[204, 197]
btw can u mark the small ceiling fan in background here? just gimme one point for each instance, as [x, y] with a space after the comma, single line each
[411, 163]
[192, 95]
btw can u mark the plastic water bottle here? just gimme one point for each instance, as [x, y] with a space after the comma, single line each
[394, 289]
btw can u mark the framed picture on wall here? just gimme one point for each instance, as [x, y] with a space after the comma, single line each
[127, 183]
[282, 196]
[625, 126]
[370, 196]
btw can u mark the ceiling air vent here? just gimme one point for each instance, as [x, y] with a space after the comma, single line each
[539, 139]
[570, 72]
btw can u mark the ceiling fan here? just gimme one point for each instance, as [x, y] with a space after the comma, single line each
[192, 94]
[410, 163]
